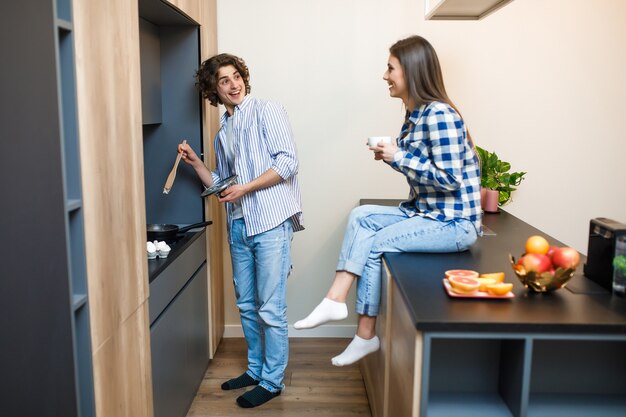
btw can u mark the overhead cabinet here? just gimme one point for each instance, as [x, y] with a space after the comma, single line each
[461, 9]
[171, 110]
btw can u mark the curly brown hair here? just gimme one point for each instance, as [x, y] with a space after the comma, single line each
[206, 76]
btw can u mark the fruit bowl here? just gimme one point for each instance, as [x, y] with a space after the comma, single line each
[542, 282]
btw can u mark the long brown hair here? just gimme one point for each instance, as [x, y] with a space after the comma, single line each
[422, 72]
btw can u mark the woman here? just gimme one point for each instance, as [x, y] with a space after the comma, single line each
[442, 214]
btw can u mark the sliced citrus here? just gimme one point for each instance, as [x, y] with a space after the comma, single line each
[499, 289]
[461, 273]
[498, 276]
[463, 285]
[484, 282]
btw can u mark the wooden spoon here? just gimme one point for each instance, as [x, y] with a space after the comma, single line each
[170, 178]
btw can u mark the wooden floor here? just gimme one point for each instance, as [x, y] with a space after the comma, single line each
[314, 387]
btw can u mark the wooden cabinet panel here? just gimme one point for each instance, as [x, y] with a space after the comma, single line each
[190, 7]
[375, 367]
[111, 154]
[108, 90]
[214, 210]
[405, 355]
[122, 371]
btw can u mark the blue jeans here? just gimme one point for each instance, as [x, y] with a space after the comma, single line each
[261, 264]
[374, 230]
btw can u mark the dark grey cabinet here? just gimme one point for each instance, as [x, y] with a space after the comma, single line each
[46, 367]
[169, 45]
[179, 330]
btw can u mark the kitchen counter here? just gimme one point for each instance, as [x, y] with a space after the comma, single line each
[551, 354]
[590, 309]
[156, 266]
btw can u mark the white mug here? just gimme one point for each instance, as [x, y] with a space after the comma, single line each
[372, 141]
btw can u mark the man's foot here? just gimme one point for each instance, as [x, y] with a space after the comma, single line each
[356, 350]
[255, 397]
[327, 310]
[243, 380]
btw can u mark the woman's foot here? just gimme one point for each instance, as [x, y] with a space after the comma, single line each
[356, 350]
[325, 311]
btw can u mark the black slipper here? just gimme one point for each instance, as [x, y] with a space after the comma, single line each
[243, 380]
[256, 397]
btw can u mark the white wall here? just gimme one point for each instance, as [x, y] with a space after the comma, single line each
[540, 82]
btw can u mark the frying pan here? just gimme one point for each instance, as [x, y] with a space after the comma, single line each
[168, 232]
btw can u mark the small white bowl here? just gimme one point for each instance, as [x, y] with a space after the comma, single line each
[164, 253]
[372, 141]
[151, 250]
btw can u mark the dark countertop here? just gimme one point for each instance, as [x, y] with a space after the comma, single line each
[156, 266]
[582, 307]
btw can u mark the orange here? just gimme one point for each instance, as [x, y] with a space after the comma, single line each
[461, 273]
[499, 289]
[497, 276]
[463, 285]
[484, 282]
[537, 244]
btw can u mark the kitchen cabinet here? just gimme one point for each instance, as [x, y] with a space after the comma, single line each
[553, 354]
[170, 56]
[172, 43]
[44, 279]
[179, 328]
[461, 9]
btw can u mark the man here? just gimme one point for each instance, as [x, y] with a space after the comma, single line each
[263, 210]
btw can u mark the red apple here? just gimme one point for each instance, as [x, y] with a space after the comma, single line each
[536, 262]
[551, 251]
[566, 258]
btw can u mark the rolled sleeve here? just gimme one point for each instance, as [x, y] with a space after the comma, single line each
[280, 141]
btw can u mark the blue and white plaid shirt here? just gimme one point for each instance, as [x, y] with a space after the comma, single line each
[262, 139]
[441, 167]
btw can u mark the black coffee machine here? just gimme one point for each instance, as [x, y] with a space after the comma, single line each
[603, 234]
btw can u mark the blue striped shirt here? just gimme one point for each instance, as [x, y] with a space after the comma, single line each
[262, 139]
[441, 167]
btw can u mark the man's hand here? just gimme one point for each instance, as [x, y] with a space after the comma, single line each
[232, 193]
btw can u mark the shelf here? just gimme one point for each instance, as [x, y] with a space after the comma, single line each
[71, 157]
[578, 378]
[480, 376]
[64, 9]
[75, 238]
[467, 405]
[77, 262]
[64, 25]
[82, 346]
[78, 300]
[73, 205]
[461, 9]
[576, 405]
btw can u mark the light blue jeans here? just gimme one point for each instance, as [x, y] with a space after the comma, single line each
[261, 264]
[374, 230]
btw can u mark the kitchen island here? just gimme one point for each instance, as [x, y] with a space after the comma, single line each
[554, 354]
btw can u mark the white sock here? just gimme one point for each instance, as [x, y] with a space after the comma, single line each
[356, 350]
[325, 311]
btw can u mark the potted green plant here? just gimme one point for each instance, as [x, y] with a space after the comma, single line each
[497, 183]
